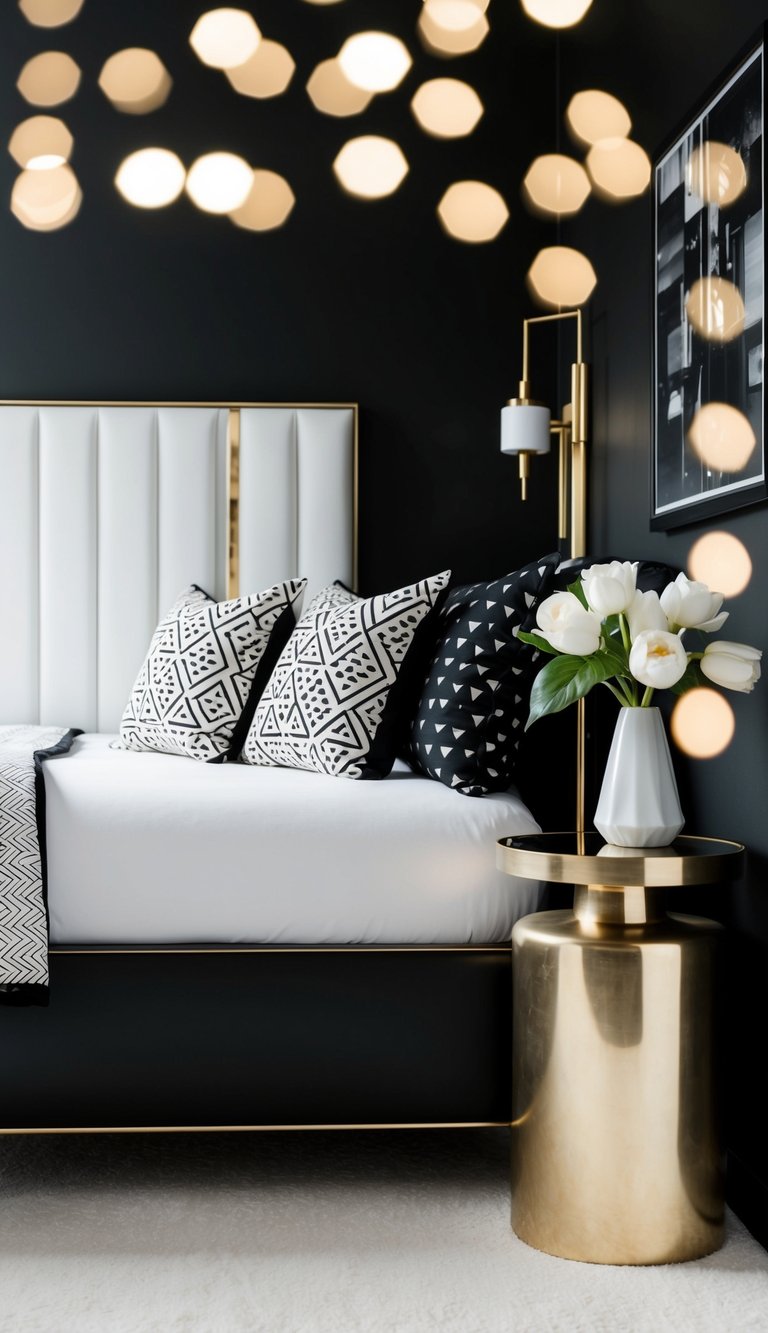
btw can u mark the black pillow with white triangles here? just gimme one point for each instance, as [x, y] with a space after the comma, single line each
[474, 704]
[348, 675]
[207, 665]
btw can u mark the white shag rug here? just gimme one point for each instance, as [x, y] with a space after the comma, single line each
[388, 1232]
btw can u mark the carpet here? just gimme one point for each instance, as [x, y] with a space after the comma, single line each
[318, 1233]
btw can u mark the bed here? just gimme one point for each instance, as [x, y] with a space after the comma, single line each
[230, 947]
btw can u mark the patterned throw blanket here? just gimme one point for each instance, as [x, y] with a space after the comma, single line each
[23, 897]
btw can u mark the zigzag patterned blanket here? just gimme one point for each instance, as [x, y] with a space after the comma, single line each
[23, 906]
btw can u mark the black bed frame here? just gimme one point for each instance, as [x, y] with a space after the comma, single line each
[256, 1038]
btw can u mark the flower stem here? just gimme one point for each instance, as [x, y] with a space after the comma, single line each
[627, 690]
[622, 700]
[645, 703]
[624, 627]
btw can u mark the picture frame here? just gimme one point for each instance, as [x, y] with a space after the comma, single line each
[708, 406]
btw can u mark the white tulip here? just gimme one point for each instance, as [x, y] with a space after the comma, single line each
[734, 666]
[691, 605]
[567, 626]
[610, 588]
[645, 612]
[657, 659]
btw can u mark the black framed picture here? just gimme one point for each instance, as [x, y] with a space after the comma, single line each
[708, 225]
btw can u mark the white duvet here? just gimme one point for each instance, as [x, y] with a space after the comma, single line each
[156, 849]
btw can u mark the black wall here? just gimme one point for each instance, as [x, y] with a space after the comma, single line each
[659, 58]
[349, 300]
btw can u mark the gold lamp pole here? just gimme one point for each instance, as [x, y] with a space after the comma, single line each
[526, 428]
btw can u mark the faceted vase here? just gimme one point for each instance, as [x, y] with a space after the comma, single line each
[639, 805]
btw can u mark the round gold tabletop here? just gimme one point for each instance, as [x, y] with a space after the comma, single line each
[585, 858]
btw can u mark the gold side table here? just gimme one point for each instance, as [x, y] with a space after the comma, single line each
[616, 1147]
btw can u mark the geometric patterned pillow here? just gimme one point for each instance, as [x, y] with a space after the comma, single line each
[204, 672]
[335, 701]
[474, 704]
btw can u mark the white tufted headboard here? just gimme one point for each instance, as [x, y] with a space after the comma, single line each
[108, 510]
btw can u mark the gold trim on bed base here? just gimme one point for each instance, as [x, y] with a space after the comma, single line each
[257, 1129]
[59, 950]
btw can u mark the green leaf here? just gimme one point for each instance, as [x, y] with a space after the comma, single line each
[577, 589]
[564, 680]
[693, 677]
[614, 651]
[536, 641]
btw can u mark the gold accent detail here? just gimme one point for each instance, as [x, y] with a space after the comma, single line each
[85, 950]
[624, 867]
[233, 502]
[524, 468]
[256, 1129]
[581, 767]
[616, 1153]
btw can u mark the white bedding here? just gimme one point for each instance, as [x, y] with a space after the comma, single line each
[150, 848]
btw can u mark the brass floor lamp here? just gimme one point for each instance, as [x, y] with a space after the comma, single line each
[527, 427]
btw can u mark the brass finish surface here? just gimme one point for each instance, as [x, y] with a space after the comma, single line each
[687, 861]
[63, 949]
[616, 1150]
[233, 502]
[255, 1129]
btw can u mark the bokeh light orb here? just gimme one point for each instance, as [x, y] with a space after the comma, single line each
[716, 173]
[721, 561]
[50, 13]
[715, 308]
[49, 79]
[267, 204]
[41, 142]
[702, 723]
[447, 108]
[267, 73]
[722, 437]
[46, 200]
[473, 212]
[556, 185]
[370, 166]
[375, 61]
[332, 93]
[556, 13]
[592, 115]
[619, 168]
[135, 81]
[224, 38]
[151, 178]
[561, 277]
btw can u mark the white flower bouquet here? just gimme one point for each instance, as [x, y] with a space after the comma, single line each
[604, 631]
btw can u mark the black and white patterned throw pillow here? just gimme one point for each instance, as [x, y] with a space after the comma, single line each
[474, 705]
[336, 700]
[205, 670]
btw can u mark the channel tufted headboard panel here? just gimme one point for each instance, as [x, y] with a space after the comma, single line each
[108, 511]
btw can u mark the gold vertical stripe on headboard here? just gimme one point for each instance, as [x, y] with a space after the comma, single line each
[233, 501]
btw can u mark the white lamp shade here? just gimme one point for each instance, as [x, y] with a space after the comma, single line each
[525, 429]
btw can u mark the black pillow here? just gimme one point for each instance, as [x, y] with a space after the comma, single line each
[474, 705]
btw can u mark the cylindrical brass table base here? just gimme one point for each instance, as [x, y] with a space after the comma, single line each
[615, 1137]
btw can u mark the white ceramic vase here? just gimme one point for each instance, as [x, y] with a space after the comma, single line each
[639, 805]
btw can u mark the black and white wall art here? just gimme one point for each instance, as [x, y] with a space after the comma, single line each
[708, 214]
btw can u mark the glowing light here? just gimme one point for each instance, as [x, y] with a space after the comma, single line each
[224, 38]
[266, 74]
[41, 142]
[267, 204]
[451, 41]
[556, 13]
[219, 182]
[715, 309]
[620, 169]
[472, 211]
[371, 167]
[721, 561]
[593, 115]
[702, 723]
[322, 2]
[48, 79]
[46, 200]
[455, 15]
[562, 277]
[151, 178]
[447, 108]
[722, 437]
[375, 61]
[716, 173]
[50, 13]
[557, 184]
[135, 81]
[331, 92]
